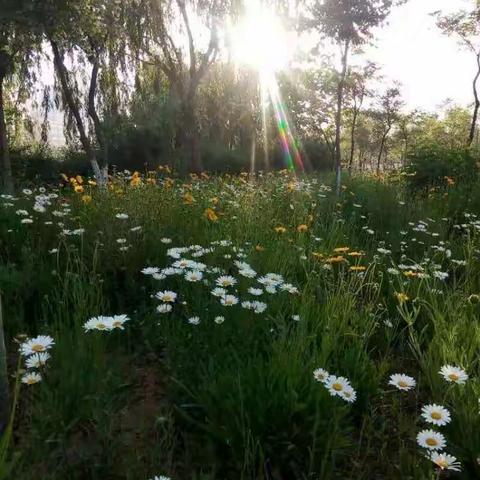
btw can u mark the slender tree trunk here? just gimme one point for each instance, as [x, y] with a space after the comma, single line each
[380, 153]
[97, 125]
[360, 160]
[4, 388]
[476, 107]
[99, 173]
[338, 118]
[192, 133]
[7, 177]
[352, 139]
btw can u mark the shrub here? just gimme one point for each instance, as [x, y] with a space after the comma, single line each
[436, 166]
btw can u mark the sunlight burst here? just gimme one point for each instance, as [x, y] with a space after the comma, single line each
[260, 40]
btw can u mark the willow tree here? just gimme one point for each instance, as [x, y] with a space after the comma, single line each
[19, 51]
[465, 25]
[181, 38]
[348, 23]
[88, 42]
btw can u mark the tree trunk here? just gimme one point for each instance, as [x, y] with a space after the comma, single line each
[97, 126]
[476, 107]
[4, 388]
[338, 118]
[7, 177]
[192, 134]
[99, 173]
[380, 153]
[352, 139]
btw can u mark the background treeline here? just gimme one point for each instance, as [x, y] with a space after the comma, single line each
[139, 84]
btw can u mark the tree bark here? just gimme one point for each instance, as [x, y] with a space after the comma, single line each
[338, 118]
[7, 177]
[97, 125]
[75, 111]
[382, 146]
[352, 139]
[4, 387]
[476, 107]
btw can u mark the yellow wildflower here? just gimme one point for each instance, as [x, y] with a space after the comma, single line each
[280, 229]
[302, 228]
[211, 214]
[86, 198]
[188, 199]
[135, 181]
[401, 297]
[337, 259]
[357, 268]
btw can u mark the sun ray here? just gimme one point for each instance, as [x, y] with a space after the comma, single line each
[260, 41]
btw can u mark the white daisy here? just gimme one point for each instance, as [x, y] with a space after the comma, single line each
[436, 414]
[453, 374]
[166, 296]
[349, 394]
[218, 292]
[150, 270]
[219, 319]
[39, 344]
[37, 360]
[402, 382]
[337, 385]
[118, 321]
[121, 216]
[101, 323]
[194, 320]
[431, 439]
[255, 291]
[225, 281]
[164, 308]
[247, 273]
[194, 276]
[320, 375]
[445, 461]
[229, 300]
[30, 378]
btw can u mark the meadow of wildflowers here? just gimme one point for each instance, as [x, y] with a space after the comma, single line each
[247, 327]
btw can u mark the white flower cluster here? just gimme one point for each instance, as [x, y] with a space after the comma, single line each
[36, 352]
[104, 323]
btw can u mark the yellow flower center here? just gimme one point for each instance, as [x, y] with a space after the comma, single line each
[436, 415]
[431, 442]
[38, 347]
[31, 381]
[402, 384]
[442, 463]
[338, 387]
[453, 376]
[101, 326]
[117, 324]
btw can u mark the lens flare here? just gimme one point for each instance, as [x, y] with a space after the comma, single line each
[260, 41]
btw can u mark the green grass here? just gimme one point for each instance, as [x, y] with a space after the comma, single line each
[238, 400]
